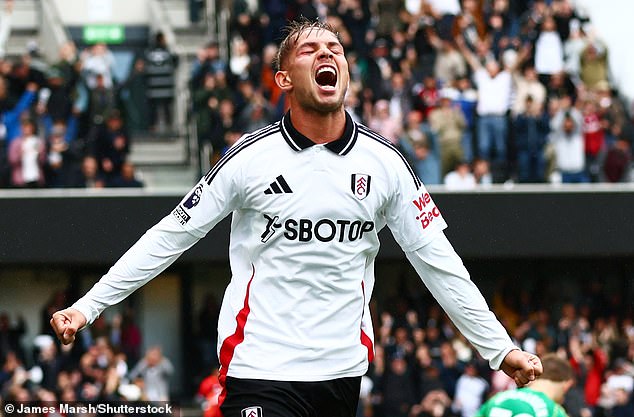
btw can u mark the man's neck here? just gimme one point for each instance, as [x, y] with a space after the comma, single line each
[550, 388]
[319, 127]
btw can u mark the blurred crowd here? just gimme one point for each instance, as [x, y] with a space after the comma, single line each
[472, 91]
[105, 363]
[69, 123]
[422, 366]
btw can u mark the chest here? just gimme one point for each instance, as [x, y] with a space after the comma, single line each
[317, 184]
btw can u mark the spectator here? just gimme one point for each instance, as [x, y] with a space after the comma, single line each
[256, 114]
[435, 403]
[384, 123]
[134, 96]
[503, 27]
[400, 101]
[60, 157]
[355, 16]
[531, 134]
[89, 176]
[573, 48]
[448, 123]
[207, 60]
[594, 63]
[617, 389]
[567, 139]
[398, 393]
[427, 96]
[58, 106]
[98, 61]
[528, 85]
[463, 95]
[470, 25]
[267, 76]
[51, 362]
[240, 64]
[450, 64]
[126, 178]
[494, 97]
[11, 117]
[246, 23]
[589, 364]
[155, 371]
[611, 110]
[12, 376]
[160, 67]
[112, 145]
[594, 138]
[388, 16]
[460, 178]
[421, 148]
[617, 164]
[549, 50]
[27, 157]
[379, 70]
[102, 102]
[450, 367]
[482, 172]
[470, 391]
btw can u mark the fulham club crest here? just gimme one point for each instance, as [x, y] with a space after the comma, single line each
[360, 184]
[251, 412]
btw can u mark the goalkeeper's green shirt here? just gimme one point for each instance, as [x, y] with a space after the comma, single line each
[523, 402]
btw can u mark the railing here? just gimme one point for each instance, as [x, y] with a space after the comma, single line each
[53, 33]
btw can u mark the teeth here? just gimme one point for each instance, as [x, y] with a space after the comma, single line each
[325, 69]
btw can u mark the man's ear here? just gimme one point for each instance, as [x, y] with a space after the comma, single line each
[283, 80]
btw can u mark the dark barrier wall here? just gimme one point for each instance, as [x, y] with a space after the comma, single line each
[65, 227]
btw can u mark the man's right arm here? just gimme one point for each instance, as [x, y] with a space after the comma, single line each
[148, 257]
[211, 200]
[157, 249]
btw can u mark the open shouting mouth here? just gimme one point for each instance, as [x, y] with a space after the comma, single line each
[326, 77]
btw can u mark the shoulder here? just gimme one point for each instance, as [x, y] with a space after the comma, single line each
[253, 141]
[375, 147]
[247, 148]
[559, 411]
[373, 141]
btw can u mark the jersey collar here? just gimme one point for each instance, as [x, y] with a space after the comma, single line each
[299, 142]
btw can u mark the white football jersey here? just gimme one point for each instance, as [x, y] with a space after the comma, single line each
[304, 237]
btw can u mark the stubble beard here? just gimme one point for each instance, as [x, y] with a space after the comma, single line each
[314, 105]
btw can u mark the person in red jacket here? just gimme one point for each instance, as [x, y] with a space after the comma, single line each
[589, 364]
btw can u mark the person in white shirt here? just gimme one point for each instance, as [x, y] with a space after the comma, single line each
[27, 156]
[495, 89]
[308, 196]
[461, 178]
[568, 143]
[470, 391]
[549, 50]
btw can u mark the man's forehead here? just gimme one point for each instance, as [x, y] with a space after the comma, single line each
[316, 35]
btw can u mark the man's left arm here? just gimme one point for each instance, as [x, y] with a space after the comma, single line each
[417, 225]
[446, 277]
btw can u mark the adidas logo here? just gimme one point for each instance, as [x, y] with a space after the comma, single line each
[279, 186]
